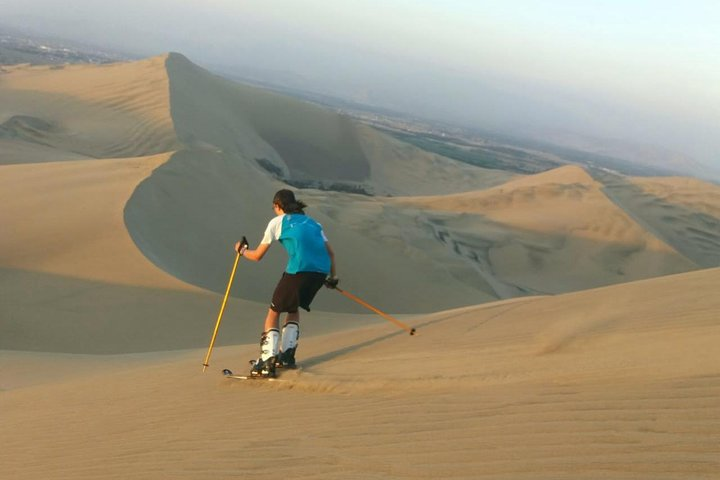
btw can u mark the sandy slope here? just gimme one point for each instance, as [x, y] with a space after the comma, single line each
[398, 168]
[551, 232]
[215, 191]
[71, 276]
[73, 224]
[72, 279]
[113, 234]
[685, 212]
[305, 142]
[15, 151]
[618, 382]
[685, 191]
[122, 189]
[115, 110]
[547, 233]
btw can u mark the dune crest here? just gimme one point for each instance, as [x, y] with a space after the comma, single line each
[566, 175]
[76, 227]
[102, 111]
[683, 212]
[688, 192]
[534, 232]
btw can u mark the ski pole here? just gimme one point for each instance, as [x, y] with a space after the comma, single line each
[222, 310]
[382, 314]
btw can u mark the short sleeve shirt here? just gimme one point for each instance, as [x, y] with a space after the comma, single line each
[303, 239]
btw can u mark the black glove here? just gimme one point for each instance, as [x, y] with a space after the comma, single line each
[242, 245]
[331, 282]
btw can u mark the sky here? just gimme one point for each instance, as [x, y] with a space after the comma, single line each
[635, 70]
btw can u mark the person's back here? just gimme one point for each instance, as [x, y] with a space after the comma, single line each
[304, 240]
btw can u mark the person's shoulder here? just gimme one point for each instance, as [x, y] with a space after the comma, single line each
[275, 222]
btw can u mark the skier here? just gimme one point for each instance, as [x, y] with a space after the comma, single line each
[311, 264]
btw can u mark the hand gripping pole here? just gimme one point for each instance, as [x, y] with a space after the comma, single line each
[387, 317]
[206, 363]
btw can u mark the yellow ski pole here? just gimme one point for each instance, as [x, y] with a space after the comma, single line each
[222, 310]
[387, 317]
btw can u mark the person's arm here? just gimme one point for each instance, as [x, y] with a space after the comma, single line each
[332, 260]
[254, 255]
[272, 232]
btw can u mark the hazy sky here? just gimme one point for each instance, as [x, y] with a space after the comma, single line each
[641, 70]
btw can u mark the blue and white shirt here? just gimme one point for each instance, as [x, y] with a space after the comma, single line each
[304, 240]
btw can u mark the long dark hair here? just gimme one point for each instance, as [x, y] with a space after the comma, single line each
[286, 200]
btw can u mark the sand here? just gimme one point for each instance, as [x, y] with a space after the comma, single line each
[107, 111]
[684, 212]
[619, 382]
[79, 214]
[504, 236]
[548, 233]
[122, 190]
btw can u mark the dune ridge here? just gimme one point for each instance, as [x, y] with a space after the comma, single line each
[78, 220]
[532, 232]
[684, 212]
[107, 111]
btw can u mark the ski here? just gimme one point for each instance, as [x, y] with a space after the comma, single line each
[230, 374]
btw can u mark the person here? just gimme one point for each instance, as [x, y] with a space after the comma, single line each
[311, 264]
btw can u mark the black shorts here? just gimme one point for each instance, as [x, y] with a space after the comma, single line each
[296, 290]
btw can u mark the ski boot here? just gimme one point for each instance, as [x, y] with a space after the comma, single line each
[290, 336]
[286, 359]
[269, 352]
[263, 368]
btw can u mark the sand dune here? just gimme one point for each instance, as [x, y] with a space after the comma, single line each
[686, 191]
[15, 151]
[548, 233]
[205, 196]
[618, 382]
[106, 254]
[122, 190]
[304, 143]
[107, 111]
[74, 224]
[160, 225]
[684, 212]
[416, 172]
[232, 162]
[412, 245]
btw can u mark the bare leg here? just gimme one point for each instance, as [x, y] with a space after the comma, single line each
[292, 317]
[272, 320]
